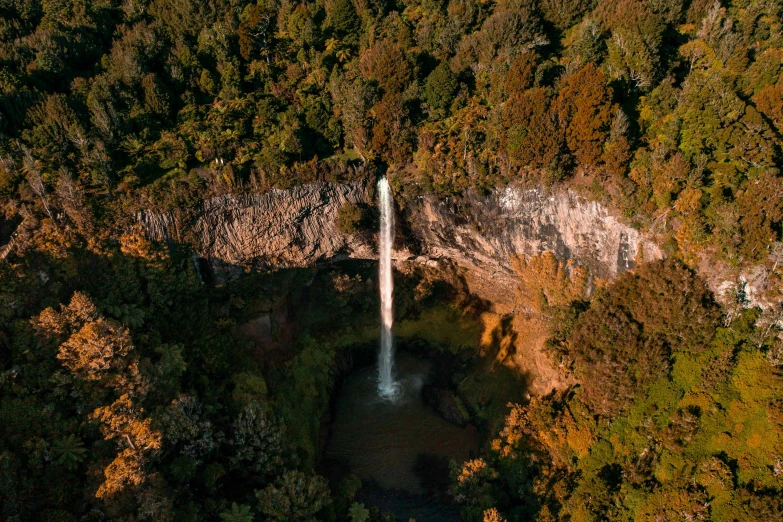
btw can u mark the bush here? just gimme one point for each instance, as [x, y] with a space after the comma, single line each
[350, 219]
[439, 88]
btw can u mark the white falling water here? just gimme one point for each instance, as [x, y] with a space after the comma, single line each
[386, 385]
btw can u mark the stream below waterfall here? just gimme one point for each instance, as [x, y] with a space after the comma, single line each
[399, 449]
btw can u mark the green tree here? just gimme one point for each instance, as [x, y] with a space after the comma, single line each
[294, 496]
[439, 88]
[349, 218]
[70, 451]
[342, 18]
[358, 513]
[237, 513]
[257, 441]
[565, 13]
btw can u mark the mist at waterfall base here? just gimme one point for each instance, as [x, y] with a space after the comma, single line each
[386, 386]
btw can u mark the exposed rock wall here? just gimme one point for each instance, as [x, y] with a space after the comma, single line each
[280, 228]
[297, 227]
[488, 231]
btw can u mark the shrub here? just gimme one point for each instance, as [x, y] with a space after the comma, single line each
[350, 219]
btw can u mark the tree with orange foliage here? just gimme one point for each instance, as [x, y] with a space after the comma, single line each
[387, 64]
[624, 341]
[760, 204]
[769, 101]
[99, 346]
[97, 351]
[584, 111]
[532, 137]
[472, 485]
[122, 420]
[391, 133]
[125, 470]
[493, 515]
[256, 31]
[521, 73]
[617, 151]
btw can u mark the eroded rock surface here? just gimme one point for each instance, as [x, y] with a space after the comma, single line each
[280, 228]
[297, 227]
[487, 232]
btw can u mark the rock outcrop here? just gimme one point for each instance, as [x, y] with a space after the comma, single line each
[488, 231]
[448, 405]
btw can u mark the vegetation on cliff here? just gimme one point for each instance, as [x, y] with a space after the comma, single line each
[677, 415]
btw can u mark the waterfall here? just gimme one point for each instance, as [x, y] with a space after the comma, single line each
[386, 385]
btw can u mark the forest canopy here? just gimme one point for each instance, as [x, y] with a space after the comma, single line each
[670, 111]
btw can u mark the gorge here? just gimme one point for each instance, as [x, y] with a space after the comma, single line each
[482, 234]
[391, 261]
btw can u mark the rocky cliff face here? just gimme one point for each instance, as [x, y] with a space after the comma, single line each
[297, 227]
[487, 232]
[280, 228]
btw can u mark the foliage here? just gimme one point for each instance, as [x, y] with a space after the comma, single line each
[294, 496]
[122, 376]
[624, 341]
[672, 110]
[688, 430]
[237, 513]
[156, 414]
[439, 88]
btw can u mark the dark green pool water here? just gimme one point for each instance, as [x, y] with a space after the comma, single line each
[399, 449]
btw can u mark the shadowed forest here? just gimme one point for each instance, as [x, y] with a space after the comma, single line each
[132, 390]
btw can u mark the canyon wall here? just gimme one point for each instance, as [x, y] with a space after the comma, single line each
[486, 232]
[280, 228]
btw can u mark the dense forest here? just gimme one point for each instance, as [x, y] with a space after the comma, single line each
[127, 391]
[669, 110]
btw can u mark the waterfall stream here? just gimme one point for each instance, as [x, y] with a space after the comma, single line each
[387, 387]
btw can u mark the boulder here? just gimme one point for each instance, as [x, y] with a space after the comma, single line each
[448, 405]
